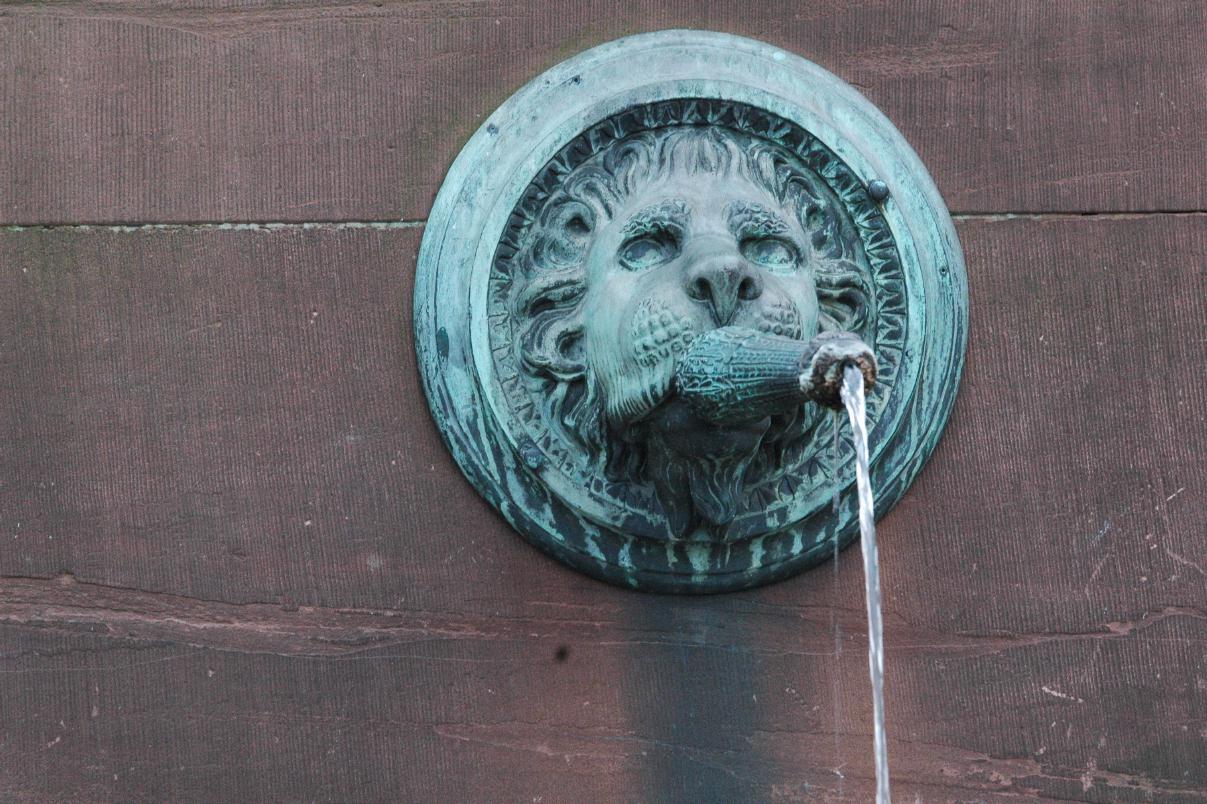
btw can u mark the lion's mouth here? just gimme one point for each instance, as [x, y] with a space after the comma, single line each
[731, 375]
[660, 338]
[733, 389]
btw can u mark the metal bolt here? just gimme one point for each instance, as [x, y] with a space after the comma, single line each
[878, 190]
[532, 456]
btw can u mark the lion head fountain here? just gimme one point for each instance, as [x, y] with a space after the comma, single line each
[638, 287]
[648, 244]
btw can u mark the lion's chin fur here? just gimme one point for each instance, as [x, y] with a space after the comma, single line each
[701, 494]
[698, 471]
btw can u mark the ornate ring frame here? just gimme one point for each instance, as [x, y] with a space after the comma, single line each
[852, 140]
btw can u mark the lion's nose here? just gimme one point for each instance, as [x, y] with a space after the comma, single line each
[720, 284]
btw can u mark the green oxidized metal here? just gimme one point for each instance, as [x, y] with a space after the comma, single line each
[622, 273]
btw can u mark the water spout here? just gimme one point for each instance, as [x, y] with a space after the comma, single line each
[731, 376]
[853, 397]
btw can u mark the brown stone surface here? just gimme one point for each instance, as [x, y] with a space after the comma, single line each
[240, 564]
[237, 563]
[152, 112]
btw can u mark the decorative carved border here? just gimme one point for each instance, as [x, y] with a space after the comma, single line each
[572, 111]
[777, 495]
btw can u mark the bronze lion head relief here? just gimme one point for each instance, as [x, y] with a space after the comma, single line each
[634, 287]
[662, 236]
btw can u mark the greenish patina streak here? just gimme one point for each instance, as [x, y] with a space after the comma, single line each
[622, 274]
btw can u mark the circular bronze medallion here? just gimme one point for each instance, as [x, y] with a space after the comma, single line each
[621, 205]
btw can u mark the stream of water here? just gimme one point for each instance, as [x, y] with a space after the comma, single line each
[852, 397]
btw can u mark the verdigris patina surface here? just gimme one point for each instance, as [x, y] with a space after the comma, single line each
[623, 280]
[660, 229]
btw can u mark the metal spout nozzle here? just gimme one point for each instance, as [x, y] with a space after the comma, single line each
[733, 375]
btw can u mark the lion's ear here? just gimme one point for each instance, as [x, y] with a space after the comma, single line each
[551, 339]
[845, 296]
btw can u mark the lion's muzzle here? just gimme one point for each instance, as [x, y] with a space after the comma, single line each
[734, 375]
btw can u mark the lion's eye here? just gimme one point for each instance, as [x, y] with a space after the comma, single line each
[647, 251]
[771, 253]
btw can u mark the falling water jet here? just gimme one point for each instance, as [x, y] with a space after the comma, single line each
[731, 375]
[853, 399]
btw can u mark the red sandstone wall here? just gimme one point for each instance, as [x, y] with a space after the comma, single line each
[238, 563]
